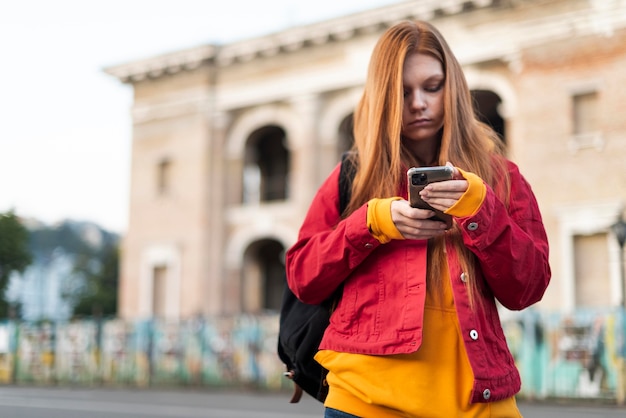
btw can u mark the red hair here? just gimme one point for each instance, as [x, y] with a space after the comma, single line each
[382, 158]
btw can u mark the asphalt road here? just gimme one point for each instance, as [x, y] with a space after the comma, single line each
[46, 402]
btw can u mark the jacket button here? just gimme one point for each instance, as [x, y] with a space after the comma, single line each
[369, 245]
[474, 334]
[486, 394]
[463, 277]
[472, 226]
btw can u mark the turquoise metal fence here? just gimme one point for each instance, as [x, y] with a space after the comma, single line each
[578, 355]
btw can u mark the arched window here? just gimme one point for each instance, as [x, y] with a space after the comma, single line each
[346, 134]
[263, 276]
[486, 106]
[266, 166]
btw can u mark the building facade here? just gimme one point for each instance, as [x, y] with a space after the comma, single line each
[230, 143]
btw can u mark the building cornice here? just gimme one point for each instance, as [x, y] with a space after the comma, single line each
[600, 18]
[291, 39]
[171, 63]
[342, 28]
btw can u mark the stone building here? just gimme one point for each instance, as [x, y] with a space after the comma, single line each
[230, 143]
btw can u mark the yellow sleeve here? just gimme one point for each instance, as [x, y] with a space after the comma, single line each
[472, 199]
[379, 220]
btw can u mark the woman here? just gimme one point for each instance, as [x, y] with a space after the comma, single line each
[416, 332]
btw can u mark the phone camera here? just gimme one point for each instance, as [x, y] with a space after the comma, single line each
[419, 179]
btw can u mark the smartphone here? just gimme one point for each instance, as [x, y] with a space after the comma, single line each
[418, 178]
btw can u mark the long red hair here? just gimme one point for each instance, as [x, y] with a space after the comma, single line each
[381, 156]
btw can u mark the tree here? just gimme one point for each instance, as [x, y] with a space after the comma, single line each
[97, 295]
[15, 255]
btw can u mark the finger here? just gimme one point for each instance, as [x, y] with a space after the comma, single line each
[422, 229]
[445, 186]
[441, 203]
[402, 211]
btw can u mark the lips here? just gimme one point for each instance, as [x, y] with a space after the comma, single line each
[420, 122]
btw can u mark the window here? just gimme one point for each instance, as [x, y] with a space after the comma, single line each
[159, 287]
[346, 135]
[159, 282]
[266, 166]
[586, 131]
[585, 113]
[164, 174]
[591, 270]
[588, 254]
[263, 276]
[487, 109]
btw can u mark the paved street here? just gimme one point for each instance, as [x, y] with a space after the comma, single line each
[27, 402]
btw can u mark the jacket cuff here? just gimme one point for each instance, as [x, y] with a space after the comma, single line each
[472, 199]
[379, 220]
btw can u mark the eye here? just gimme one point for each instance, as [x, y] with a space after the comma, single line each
[434, 88]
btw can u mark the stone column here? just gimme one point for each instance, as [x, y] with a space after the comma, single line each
[304, 170]
[217, 203]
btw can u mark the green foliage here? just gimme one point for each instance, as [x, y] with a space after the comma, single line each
[15, 254]
[92, 286]
[97, 295]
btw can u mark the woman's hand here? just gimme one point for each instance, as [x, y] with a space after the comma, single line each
[442, 195]
[413, 223]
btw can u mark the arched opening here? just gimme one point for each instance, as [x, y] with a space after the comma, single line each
[263, 276]
[266, 166]
[345, 134]
[486, 107]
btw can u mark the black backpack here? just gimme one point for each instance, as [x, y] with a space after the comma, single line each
[302, 325]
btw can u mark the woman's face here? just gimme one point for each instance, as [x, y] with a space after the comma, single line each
[422, 113]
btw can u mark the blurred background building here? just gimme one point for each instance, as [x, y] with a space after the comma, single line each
[230, 143]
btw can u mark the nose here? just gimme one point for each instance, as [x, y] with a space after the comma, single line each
[418, 101]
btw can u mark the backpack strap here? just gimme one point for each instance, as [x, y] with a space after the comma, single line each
[297, 389]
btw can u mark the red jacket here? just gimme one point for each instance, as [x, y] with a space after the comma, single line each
[381, 310]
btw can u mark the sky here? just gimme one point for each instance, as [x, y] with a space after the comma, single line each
[65, 127]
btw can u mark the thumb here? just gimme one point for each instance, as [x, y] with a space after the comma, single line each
[457, 174]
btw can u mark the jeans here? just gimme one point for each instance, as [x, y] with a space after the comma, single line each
[333, 413]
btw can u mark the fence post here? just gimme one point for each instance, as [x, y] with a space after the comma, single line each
[14, 349]
[621, 360]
